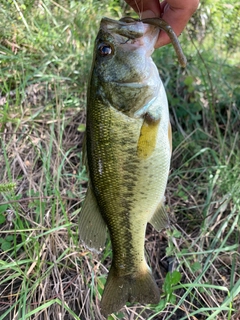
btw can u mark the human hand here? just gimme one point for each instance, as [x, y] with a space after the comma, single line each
[175, 12]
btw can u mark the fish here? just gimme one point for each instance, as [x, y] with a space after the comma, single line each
[127, 153]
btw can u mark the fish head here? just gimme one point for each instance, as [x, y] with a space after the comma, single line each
[123, 73]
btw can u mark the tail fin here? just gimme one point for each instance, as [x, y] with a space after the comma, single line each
[140, 288]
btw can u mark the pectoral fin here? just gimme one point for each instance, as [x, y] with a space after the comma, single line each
[92, 228]
[160, 219]
[148, 137]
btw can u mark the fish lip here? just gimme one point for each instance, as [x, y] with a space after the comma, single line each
[131, 84]
[132, 30]
[109, 21]
[112, 22]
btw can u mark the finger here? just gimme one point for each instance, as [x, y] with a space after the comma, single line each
[146, 9]
[177, 14]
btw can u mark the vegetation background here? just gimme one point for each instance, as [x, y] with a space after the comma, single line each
[45, 58]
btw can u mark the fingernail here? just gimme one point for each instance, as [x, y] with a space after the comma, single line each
[148, 14]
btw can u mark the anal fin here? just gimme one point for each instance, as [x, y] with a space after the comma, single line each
[92, 228]
[160, 218]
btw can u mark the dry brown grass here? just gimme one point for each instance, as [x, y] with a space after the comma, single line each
[43, 156]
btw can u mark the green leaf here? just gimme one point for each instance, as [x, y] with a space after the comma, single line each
[120, 315]
[7, 187]
[172, 278]
[6, 245]
[169, 251]
[172, 299]
[100, 284]
[176, 277]
[2, 218]
[188, 80]
[161, 305]
[176, 233]
[167, 286]
[3, 208]
[9, 238]
[196, 266]
[81, 127]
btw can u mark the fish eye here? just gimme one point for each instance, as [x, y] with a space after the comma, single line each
[105, 50]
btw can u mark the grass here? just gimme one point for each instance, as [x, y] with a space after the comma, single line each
[45, 273]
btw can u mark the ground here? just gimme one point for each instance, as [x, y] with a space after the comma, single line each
[45, 271]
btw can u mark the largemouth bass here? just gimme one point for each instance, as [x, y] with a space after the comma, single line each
[127, 154]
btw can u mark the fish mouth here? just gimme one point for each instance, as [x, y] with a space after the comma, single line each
[133, 30]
